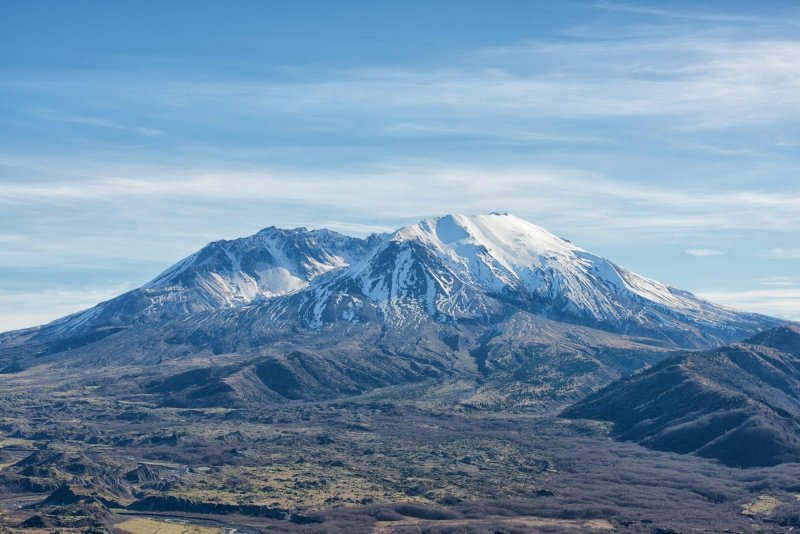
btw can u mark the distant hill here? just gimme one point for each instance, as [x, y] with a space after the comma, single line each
[739, 404]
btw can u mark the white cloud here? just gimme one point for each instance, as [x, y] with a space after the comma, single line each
[98, 122]
[675, 13]
[780, 281]
[784, 253]
[691, 81]
[410, 188]
[780, 298]
[703, 252]
[782, 302]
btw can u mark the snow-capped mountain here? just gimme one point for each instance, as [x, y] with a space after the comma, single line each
[312, 314]
[454, 269]
[460, 267]
[224, 274]
[271, 263]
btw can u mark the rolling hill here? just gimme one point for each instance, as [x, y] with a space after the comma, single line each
[739, 403]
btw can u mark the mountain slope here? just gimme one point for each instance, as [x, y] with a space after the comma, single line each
[477, 268]
[524, 316]
[453, 268]
[739, 404]
[223, 274]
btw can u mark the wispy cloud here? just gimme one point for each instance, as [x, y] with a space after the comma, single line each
[10, 238]
[702, 252]
[778, 296]
[408, 188]
[650, 10]
[97, 122]
[784, 253]
[783, 302]
[781, 281]
[688, 82]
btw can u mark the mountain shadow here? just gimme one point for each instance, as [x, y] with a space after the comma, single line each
[739, 404]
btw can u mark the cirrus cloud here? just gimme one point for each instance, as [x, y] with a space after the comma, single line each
[703, 252]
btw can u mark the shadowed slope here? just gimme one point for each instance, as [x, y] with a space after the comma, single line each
[739, 404]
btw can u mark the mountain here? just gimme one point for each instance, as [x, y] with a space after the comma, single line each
[523, 316]
[739, 404]
[223, 274]
[477, 268]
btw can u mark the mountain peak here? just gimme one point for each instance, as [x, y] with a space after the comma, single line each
[274, 230]
[511, 240]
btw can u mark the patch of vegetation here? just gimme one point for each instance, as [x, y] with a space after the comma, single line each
[152, 526]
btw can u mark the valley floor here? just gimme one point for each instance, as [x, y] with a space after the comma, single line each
[377, 463]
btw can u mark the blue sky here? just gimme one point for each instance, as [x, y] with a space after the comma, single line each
[665, 136]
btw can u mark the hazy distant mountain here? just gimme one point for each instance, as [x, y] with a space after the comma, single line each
[740, 403]
[487, 297]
